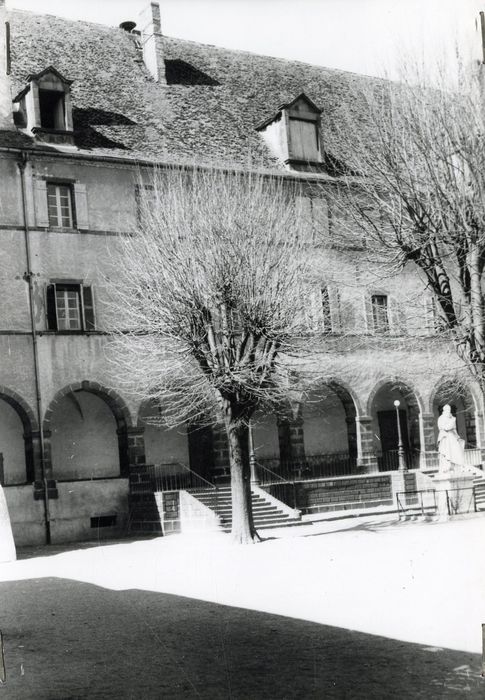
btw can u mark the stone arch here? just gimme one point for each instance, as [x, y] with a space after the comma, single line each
[29, 424]
[397, 382]
[383, 422]
[168, 447]
[336, 437]
[115, 403]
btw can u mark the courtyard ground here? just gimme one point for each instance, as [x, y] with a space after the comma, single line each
[351, 609]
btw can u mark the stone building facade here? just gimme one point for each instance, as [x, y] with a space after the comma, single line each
[86, 111]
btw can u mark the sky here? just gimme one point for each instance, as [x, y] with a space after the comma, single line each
[364, 36]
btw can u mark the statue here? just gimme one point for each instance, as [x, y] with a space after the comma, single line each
[451, 447]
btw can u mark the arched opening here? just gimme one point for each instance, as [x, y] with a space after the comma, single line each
[168, 448]
[330, 431]
[385, 426]
[16, 448]
[266, 440]
[460, 398]
[84, 439]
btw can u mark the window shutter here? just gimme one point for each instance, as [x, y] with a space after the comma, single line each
[81, 205]
[304, 210]
[368, 315]
[51, 307]
[304, 140]
[429, 320]
[88, 307]
[335, 317]
[41, 211]
[398, 320]
[320, 216]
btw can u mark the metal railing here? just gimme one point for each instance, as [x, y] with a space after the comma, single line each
[312, 466]
[282, 489]
[175, 476]
[458, 501]
[473, 458]
[423, 501]
[389, 460]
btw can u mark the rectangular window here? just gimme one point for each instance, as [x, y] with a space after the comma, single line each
[70, 307]
[60, 205]
[52, 110]
[380, 313]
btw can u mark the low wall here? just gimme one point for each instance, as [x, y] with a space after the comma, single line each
[26, 515]
[87, 510]
[344, 493]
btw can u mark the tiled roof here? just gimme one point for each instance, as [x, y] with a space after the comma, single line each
[208, 111]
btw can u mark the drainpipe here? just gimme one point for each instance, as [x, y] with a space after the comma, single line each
[35, 351]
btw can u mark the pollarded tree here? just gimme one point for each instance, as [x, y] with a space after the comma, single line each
[415, 190]
[206, 300]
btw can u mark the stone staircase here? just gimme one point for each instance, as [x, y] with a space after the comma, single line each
[479, 485]
[266, 511]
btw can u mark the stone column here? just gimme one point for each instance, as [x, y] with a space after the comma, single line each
[429, 441]
[367, 457]
[291, 439]
[222, 470]
[352, 437]
[132, 444]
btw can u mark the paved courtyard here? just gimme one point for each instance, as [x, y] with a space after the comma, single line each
[186, 617]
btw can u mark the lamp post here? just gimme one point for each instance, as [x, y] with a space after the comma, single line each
[252, 459]
[400, 447]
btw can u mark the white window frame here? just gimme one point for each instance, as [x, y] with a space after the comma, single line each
[58, 220]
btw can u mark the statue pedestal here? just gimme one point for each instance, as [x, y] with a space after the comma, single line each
[7, 546]
[454, 493]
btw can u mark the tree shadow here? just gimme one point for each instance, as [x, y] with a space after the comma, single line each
[65, 639]
[180, 72]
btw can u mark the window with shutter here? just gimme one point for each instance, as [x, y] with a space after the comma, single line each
[398, 316]
[304, 139]
[70, 307]
[380, 315]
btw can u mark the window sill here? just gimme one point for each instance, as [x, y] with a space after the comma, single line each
[49, 332]
[62, 229]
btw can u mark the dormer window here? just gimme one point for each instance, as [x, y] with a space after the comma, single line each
[45, 107]
[52, 111]
[293, 134]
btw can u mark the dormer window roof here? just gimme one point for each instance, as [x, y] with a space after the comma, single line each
[44, 107]
[293, 133]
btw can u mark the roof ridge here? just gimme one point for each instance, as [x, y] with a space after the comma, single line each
[18, 11]
[245, 52]
[274, 58]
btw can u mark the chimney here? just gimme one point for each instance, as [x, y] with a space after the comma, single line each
[6, 107]
[152, 42]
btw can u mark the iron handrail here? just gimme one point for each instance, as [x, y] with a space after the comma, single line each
[186, 469]
[270, 471]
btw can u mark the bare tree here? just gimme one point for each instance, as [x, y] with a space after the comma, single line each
[415, 190]
[206, 301]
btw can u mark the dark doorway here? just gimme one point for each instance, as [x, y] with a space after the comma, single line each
[390, 438]
[201, 451]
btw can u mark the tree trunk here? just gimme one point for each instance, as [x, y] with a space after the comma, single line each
[243, 531]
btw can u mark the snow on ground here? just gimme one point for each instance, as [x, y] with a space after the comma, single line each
[416, 581]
